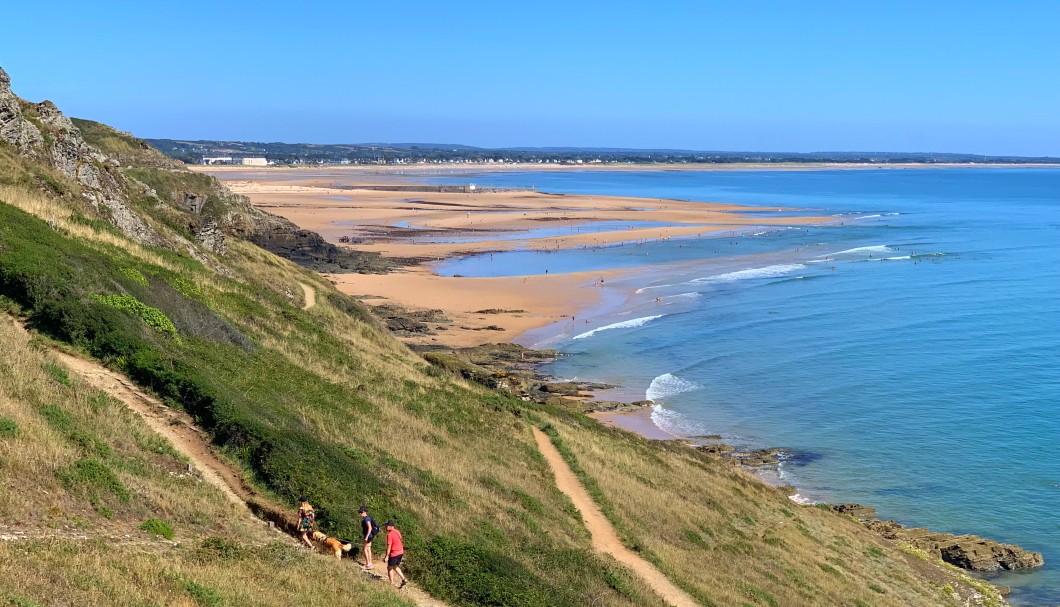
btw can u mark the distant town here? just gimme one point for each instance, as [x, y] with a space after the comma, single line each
[262, 154]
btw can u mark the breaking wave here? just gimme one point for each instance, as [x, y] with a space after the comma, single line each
[666, 385]
[766, 272]
[625, 324]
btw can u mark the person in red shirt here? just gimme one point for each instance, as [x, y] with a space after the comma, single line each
[395, 549]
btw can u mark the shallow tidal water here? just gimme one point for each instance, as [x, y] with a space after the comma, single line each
[908, 359]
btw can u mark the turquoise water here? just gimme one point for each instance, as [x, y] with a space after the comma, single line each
[908, 359]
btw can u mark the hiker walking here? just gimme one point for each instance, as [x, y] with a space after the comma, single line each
[394, 551]
[307, 519]
[369, 529]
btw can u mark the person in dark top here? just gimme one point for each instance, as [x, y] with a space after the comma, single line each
[369, 529]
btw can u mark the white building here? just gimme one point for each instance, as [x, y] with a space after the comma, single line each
[258, 161]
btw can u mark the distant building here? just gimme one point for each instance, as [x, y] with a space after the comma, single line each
[246, 161]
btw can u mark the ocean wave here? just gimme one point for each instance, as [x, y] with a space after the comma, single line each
[692, 295]
[766, 272]
[667, 385]
[625, 324]
[801, 499]
[879, 248]
[649, 288]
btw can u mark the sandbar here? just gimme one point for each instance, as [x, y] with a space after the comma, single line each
[424, 226]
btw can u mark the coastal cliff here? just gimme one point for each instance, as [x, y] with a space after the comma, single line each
[146, 279]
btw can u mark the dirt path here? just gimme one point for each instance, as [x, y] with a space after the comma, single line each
[604, 537]
[174, 426]
[310, 295]
[179, 429]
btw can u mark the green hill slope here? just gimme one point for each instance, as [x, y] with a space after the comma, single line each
[323, 402]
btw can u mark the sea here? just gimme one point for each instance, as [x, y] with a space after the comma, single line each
[905, 353]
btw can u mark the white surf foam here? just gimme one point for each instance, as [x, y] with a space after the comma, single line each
[898, 258]
[880, 248]
[766, 272]
[666, 385]
[625, 324]
[692, 295]
[800, 499]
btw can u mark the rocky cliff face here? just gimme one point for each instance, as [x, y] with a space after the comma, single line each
[41, 132]
[120, 177]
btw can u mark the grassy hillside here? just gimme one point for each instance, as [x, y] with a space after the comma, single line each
[90, 491]
[324, 402]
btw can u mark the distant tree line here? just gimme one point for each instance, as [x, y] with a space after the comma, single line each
[192, 152]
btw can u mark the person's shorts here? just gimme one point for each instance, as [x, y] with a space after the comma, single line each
[394, 561]
[369, 539]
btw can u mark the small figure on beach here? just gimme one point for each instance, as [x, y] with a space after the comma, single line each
[369, 529]
[306, 520]
[395, 551]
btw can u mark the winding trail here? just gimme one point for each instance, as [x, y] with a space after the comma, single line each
[310, 295]
[174, 426]
[179, 429]
[604, 537]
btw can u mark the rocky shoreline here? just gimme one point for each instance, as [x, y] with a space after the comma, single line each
[969, 552]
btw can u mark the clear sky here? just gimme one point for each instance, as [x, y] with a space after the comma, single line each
[981, 77]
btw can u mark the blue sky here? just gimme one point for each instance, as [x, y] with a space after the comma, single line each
[969, 76]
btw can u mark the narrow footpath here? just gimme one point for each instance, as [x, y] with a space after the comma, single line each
[604, 537]
[310, 295]
[178, 428]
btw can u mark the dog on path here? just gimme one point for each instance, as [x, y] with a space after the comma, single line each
[332, 545]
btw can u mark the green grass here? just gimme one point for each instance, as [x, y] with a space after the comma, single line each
[157, 527]
[8, 428]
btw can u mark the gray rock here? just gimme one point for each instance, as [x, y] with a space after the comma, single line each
[14, 128]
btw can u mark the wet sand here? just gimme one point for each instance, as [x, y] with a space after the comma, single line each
[429, 226]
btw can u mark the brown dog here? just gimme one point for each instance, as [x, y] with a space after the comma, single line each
[331, 545]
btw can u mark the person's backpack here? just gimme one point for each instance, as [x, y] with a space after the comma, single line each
[373, 529]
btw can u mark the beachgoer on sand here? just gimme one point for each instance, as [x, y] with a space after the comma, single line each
[307, 519]
[369, 529]
[395, 550]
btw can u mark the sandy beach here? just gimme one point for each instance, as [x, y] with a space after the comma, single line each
[421, 227]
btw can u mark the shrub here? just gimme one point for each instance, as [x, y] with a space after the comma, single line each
[220, 549]
[92, 477]
[152, 316]
[204, 595]
[470, 574]
[58, 373]
[8, 428]
[157, 527]
[134, 275]
[18, 601]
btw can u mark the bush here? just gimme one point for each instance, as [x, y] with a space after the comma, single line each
[220, 549]
[134, 275]
[152, 316]
[92, 477]
[468, 574]
[157, 527]
[8, 428]
[204, 595]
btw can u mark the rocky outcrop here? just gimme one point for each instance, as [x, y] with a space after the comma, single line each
[969, 552]
[14, 129]
[41, 132]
